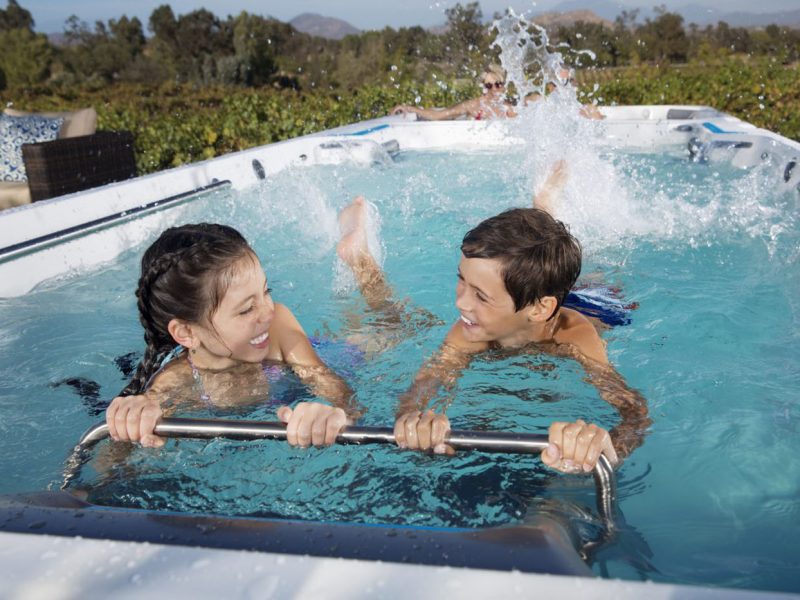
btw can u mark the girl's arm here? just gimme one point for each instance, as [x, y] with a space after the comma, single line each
[133, 418]
[297, 352]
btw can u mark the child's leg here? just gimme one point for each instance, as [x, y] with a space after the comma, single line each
[546, 198]
[393, 315]
[353, 250]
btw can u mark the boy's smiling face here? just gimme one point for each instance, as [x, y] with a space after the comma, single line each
[487, 309]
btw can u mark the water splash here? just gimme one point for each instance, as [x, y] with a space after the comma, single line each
[612, 200]
[299, 201]
[526, 55]
[554, 129]
[304, 204]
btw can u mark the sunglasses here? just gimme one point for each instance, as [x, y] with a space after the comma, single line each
[496, 84]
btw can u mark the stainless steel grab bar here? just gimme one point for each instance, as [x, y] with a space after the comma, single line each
[484, 441]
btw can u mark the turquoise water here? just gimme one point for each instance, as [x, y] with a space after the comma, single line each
[708, 252]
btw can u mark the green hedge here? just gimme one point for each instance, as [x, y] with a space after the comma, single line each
[175, 125]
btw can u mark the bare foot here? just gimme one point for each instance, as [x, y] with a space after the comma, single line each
[558, 175]
[551, 190]
[353, 228]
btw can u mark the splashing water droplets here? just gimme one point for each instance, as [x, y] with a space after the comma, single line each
[611, 200]
[551, 125]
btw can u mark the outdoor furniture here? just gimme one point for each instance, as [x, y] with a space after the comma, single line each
[78, 159]
[73, 164]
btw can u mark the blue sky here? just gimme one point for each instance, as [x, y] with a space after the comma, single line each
[364, 14]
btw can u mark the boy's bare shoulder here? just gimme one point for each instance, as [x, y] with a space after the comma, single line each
[575, 329]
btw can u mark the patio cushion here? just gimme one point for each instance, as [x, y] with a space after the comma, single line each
[14, 193]
[16, 131]
[77, 122]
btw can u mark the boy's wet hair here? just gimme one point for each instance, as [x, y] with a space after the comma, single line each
[185, 274]
[538, 254]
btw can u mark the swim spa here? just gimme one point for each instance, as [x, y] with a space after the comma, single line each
[704, 241]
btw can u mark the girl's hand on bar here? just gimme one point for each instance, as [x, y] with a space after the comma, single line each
[133, 419]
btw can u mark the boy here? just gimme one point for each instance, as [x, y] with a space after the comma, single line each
[515, 271]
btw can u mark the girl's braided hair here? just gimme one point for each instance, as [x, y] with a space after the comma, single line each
[185, 274]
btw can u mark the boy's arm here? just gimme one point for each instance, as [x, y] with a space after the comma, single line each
[588, 348]
[418, 428]
[632, 406]
[442, 369]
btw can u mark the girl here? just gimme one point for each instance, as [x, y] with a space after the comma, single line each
[203, 287]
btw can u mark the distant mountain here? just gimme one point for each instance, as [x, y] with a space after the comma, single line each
[57, 39]
[551, 19]
[692, 13]
[707, 16]
[556, 19]
[605, 9]
[324, 27]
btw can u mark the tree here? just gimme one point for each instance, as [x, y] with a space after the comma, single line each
[25, 57]
[466, 37]
[162, 23]
[601, 41]
[252, 44]
[127, 33]
[664, 37]
[105, 53]
[15, 17]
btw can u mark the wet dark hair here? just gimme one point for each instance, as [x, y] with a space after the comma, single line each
[185, 274]
[538, 255]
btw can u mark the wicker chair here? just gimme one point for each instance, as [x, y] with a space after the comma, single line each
[73, 164]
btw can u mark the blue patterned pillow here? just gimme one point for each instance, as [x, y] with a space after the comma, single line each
[15, 131]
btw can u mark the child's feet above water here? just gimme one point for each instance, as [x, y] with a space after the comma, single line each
[353, 229]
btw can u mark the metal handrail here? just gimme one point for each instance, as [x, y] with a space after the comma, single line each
[483, 441]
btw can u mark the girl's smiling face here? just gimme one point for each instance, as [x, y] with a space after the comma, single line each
[239, 329]
[487, 309]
